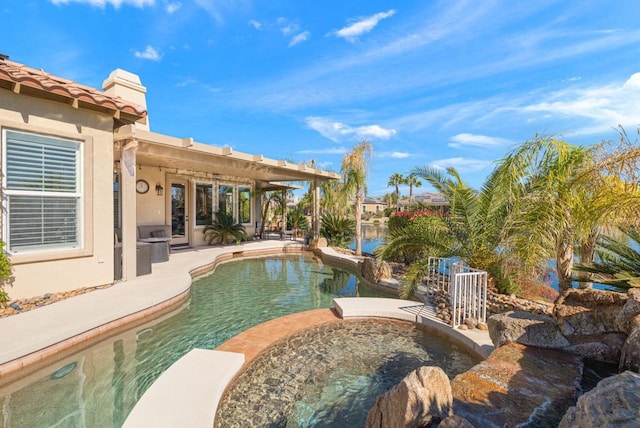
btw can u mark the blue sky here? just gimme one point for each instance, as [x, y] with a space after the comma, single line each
[440, 83]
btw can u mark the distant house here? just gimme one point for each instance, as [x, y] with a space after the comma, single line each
[373, 205]
[433, 200]
[84, 177]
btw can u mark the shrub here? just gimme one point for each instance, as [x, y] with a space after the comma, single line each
[5, 274]
[338, 229]
[224, 230]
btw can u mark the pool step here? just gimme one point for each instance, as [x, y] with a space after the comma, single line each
[187, 394]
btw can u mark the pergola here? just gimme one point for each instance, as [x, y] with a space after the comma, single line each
[135, 148]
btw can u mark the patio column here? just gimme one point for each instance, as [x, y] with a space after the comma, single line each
[283, 229]
[128, 195]
[315, 219]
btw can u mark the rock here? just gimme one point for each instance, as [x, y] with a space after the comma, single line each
[455, 421]
[373, 271]
[526, 328]
[482, 326]
[471, 322]
[589, 312]
[614, 402]
[629, 311]
[423, 397]
[463, 327]
[630, 355]
[518, 386]
[320, 242]
[601, 347]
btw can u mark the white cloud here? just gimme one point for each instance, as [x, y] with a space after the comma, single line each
[256, 24]
[102, 3]
[362, 26]
[394, 155]
[461, 164]
[324, 165]
[633, 82]
[465, 139]
[173, 7]
[600, 107]
[150, 53]
[328, 151]
[336, 131]
[302, 37]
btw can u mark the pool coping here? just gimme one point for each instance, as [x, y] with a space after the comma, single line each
[32, 337]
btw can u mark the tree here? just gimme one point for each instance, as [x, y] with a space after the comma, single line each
[223, 230]
[471, 230]
[618, 261]
[354, 172]
[396, 180]
[562, 199]
[412, 181]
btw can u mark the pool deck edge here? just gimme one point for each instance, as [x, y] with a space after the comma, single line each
[32, 336]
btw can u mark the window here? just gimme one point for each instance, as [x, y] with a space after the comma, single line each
[204, 204]
[244, 205]
[225, 199]
[43, 189]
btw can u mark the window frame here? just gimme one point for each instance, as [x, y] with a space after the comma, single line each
[84, 176]
[241, 189]
[228, 208]
[211, 211]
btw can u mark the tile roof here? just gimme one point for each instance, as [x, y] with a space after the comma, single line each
[18, 77]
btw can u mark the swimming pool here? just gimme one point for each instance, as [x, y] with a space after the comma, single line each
[98, 386]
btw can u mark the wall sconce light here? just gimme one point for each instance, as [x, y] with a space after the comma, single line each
[159, 189]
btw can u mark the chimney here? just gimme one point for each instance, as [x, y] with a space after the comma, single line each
[127, 86]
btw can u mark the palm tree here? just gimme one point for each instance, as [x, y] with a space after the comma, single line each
[562, 198]
[412, 181]
[354, 172]
[396, 180]
[471, 230]
[618, 261]
[224, 230]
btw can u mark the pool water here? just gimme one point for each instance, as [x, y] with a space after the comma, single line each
[331, 375]
[99, 386]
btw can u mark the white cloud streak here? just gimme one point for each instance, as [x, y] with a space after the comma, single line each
[256, 24]
[393, 155]
[337, 131]
[473, 140]
[362, 26]
[461, 164]
[302, 37]
[103, 3]
[173, 7]
[598, 107]
[149, 53]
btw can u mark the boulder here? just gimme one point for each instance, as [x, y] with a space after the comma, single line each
[518, 385]
[455, 421]
[374, 272]
[630, 355]
[589, 312]
[601, 347]
[629, 311]
[423, 397]
[526, 328]
[614, 402]
[320, 242]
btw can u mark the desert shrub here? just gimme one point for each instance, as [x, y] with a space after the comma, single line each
[338, 229]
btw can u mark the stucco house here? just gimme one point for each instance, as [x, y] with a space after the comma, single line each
[373, 205]
[83, 174]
